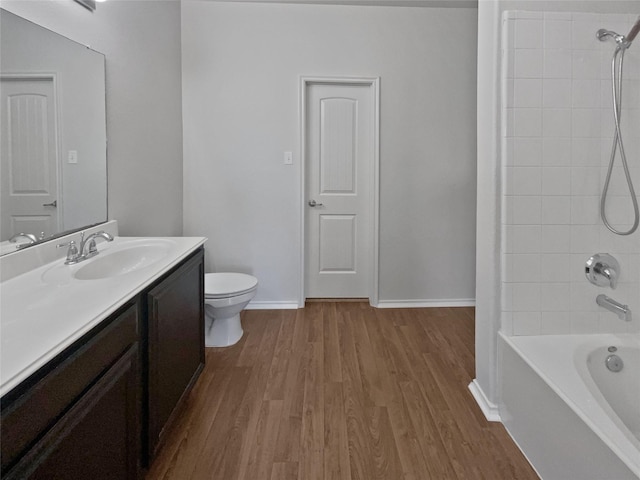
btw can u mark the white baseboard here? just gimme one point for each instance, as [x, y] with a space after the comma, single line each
[271, 306]
[489, 408]
[463, 302]
[450, 302]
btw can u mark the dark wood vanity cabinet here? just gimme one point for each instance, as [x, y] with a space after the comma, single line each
[175, 319]
[99, 410]
[80, 415]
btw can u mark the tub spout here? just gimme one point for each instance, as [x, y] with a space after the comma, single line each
[622, 311]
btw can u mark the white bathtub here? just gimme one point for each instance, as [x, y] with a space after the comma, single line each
[554, 391]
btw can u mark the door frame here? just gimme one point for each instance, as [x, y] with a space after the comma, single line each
[53, 78]
[374, 176]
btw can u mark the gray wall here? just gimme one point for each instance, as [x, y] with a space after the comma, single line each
[141, 41]
[241, 69]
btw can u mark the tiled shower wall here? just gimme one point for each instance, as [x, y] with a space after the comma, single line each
[556, 143]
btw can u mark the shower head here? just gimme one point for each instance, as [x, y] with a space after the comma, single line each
[621, 40]
[603, 35]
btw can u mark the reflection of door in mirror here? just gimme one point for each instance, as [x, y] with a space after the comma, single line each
[29, 167]
[72, 146]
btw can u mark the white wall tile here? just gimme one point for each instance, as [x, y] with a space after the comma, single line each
[556, 93]
[526, 268]
[586, 152]
[585, 180]
[526, 297]
[584, 238]
[527, 122]
[556, 210]
[583, 31]
[585, 122]
[526, 323]
[556, 151]
[555, 297]
[563, 127]
[557, 63]
[557, 33]
[527, 151]
[527, 92]
[586, 93]
[585, 64]
[527, 180]
[555, 268]
[556, 181]
[585, 210]
[526, 210]
[528, 63]
[555, 323]
[584, 323]
[556, 122]
[525, 238]
[528, 33]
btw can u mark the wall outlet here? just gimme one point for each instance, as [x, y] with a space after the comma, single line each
[288, 158]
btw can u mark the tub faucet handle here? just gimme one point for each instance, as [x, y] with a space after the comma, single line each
[603, 270]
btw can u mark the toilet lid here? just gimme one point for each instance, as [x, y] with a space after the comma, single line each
[218, 285]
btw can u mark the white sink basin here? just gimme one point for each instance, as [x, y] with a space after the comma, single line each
[120, 262]
[117, 258]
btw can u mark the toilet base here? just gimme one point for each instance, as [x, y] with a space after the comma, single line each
[222, 332]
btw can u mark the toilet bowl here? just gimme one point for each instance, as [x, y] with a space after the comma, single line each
[225, 296]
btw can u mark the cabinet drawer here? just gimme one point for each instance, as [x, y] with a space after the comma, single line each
[26, 418]
[98, 438]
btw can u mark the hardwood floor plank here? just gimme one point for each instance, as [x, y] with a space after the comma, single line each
[188, 437]
[220, 454]
[341, 391]
[289, 437]
[336, 443]
[276, 380]
[312, 439]
[384, 453]
[262, 446]
[331, 344]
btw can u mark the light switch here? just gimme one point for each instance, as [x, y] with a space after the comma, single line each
[73, 156]
[288, 158]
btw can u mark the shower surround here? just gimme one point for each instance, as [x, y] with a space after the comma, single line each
[557, 132]
[556, 143]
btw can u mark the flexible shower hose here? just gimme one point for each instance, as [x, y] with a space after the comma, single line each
[616, 73]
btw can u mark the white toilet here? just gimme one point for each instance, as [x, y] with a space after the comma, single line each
[225, 296]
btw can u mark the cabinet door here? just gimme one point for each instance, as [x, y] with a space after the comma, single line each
[32, 410]
[98, 437]
[176, 344]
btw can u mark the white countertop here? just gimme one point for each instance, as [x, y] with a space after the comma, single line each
[39, 317]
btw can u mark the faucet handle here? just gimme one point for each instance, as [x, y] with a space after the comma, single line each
[603, 270]
[73, 254]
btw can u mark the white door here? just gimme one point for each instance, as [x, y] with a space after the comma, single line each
[28, 157]
[339, 144]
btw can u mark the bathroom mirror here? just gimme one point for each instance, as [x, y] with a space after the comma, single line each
[53, 172]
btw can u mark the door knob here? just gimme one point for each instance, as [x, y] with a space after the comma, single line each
[52, 204]
[312, 203]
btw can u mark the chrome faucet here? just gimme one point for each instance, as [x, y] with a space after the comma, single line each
[32, 238]
[77, 254]
[622, 311]
[91, 250]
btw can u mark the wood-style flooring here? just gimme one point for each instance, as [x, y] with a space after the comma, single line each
[341, 391]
